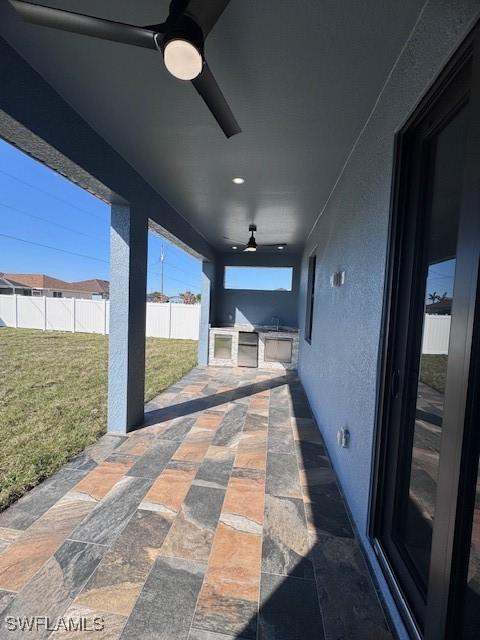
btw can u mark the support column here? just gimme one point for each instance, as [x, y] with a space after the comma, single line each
[206, 311]
[128, 282]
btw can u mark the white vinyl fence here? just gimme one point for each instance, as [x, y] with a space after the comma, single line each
[436, 334]
[164, 320]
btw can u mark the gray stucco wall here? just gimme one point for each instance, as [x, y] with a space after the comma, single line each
[339, 368]
[256, 307]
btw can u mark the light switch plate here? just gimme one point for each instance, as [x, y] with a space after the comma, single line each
[343, 438]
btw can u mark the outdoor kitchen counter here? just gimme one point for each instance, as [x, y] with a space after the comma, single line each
[272, 345]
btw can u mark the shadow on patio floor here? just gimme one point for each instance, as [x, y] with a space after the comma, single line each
[220, 518]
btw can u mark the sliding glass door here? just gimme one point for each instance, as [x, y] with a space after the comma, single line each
[429, 430]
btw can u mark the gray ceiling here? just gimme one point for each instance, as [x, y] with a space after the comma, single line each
[300, 75]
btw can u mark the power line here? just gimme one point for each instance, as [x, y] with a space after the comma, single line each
[55, 224]
[180, 281]
[177, 280]
[80, 255]
[47, 246]
[51, 195]
[172, 266]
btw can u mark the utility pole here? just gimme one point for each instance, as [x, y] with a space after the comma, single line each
[162, 260]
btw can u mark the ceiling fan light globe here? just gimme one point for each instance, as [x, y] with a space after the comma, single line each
[182, 59]
[250, 249]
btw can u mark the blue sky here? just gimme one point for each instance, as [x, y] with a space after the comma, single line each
[258, 278]
[441, 278]
[39, 206]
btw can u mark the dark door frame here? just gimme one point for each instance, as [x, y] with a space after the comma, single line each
[456, 482]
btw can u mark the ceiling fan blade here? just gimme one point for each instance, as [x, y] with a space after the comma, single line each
[275, 244]
[207, 87]
[86, 25]
[206, 13]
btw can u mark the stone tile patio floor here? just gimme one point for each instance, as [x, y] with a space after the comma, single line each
[218, 519]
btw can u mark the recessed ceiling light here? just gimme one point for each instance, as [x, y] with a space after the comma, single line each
[281, 246]
[238, 180]
[234, 247]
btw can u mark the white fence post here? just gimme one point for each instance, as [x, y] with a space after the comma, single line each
[44, 313]
[169, 319]
[104, 317]
[16, 311]
[73, 314]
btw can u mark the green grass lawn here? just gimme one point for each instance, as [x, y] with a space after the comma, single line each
[53, 395]
[433, 371]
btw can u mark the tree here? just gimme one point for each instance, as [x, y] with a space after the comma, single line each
[188, 297]
[434, 297]
[157, 296]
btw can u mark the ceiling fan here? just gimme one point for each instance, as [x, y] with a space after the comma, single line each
[180, 40]
[252, 245]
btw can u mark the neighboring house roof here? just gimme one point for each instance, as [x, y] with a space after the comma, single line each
[440, 307]
[35, 281]
[42, 281]
[6, 283]
[95, 285]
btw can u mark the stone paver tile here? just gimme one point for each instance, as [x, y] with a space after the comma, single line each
[167, 493]
[120, 576]
[165, 607]
[306, 430]
[202, 634]
[192, 532]
[280, 440]
[194, 389]
[229, 432]
[326, 512]
[251, 458]
[349, 603]
[178, 428]
[37, 501]
[245, 499]
[252, 450]
[286, 546]
[9, 535]
[289, 609]
[229, 596]
[195, 445]
[6, 598]
[258, 405]
[94, 625]
[282, 475]
[112, 513]
[105, 476]
[154, 460]
[137, 443]
[216, 468]
[24, 557]
[254, 422]
[209, 420]
[51, 590]
[105, 446]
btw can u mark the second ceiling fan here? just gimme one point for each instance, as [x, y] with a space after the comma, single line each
[180, 40]
[251, 245]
